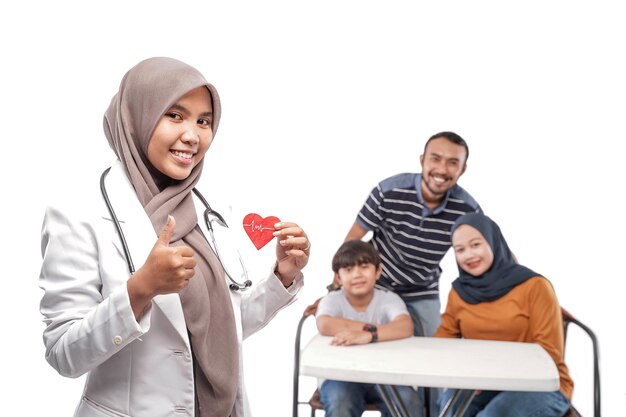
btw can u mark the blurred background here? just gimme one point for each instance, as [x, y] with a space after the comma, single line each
[321, 100]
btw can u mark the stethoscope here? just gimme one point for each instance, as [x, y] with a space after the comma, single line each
[210, 216]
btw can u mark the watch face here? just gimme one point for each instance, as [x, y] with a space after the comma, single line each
[370, 328]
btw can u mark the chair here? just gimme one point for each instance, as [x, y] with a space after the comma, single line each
[567, 320]
[314, 402]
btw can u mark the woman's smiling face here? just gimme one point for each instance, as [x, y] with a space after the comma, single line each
[183, 135]
[472, 251]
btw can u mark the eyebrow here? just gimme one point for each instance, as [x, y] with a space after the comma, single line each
[183, 109]
[472, 240]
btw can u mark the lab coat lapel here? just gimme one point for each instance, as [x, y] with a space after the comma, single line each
[140, 237]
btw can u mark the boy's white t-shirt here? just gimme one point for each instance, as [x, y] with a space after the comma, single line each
[384, 307]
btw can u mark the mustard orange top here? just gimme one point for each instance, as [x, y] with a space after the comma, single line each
[530, 312]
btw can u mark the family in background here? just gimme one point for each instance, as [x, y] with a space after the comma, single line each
[415, 218]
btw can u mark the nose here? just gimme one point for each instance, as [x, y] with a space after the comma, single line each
[356, 271]
[441, 166]
[461, 257]
[190, 134]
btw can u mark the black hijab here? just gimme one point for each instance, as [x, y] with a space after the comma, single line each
[504, 274]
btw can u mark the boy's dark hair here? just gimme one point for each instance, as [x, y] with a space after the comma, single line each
[354, 252]
[452, 137]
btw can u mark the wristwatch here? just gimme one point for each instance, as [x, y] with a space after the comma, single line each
[373, 330]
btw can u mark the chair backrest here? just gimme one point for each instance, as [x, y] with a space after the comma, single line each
[568, 319]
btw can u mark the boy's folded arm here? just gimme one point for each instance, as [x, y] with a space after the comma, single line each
[398, 328]
[330, 326]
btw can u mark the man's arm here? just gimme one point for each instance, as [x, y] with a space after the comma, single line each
[356, 232]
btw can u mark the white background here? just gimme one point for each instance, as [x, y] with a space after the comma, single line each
[320, 101]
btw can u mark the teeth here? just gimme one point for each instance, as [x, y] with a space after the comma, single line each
[185, 155]
[439, 179]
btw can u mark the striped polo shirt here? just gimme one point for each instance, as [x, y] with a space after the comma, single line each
[411, 239]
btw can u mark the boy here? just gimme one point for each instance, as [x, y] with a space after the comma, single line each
[358, 314]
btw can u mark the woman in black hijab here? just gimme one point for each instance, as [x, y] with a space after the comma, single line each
[495, 298]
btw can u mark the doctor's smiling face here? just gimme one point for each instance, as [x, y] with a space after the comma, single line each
[183, 135]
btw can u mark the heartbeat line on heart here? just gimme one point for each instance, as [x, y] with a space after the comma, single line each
[257, 227]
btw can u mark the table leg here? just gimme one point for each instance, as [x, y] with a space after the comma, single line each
[448, 406]
[398, 400]
[466, 402]
[391, 405]
[461, 397]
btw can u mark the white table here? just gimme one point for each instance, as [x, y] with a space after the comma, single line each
[434, 362]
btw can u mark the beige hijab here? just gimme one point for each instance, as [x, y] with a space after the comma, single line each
[146, 92]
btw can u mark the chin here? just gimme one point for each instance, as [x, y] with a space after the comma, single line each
[179, 176]
[472, 273]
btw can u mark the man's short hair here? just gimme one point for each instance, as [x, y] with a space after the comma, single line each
[452, 137]
[354, 252]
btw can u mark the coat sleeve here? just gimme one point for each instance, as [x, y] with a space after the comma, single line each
[265, 300]
[83, 328]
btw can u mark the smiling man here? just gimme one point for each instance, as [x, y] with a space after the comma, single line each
[410, 216]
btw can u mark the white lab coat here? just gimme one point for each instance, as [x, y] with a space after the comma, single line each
[139, 369]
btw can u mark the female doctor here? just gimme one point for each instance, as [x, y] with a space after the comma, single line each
[164, 339]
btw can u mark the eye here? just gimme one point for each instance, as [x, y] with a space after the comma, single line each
[174, 116]
[204, 122]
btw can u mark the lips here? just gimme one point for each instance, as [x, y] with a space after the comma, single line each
[439, 179]
[358, 283]
[472, 265]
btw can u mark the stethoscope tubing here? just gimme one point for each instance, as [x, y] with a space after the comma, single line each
[116, 222]
[234, 285]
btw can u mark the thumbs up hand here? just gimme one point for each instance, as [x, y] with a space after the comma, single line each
[167, 270]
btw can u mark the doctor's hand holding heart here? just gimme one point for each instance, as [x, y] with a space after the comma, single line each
[292, 251]
[292, 246]
[165, 338]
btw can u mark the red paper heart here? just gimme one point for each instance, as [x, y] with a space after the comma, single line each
[259, 229]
